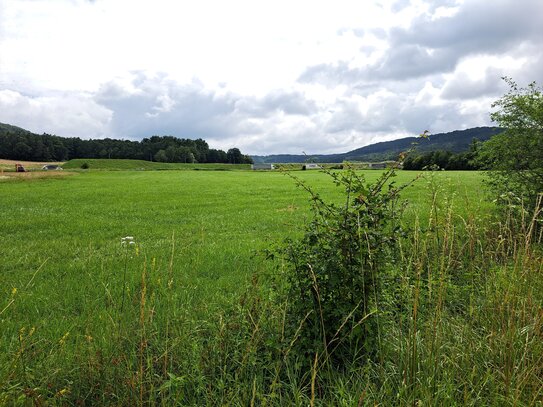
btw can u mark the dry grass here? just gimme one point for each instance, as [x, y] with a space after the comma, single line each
[32, 165]
[11, 176]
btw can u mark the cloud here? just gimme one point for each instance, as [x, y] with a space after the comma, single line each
[80, 115]
[432, 46]
[462, 86]
[143, 105]
[276, 101]
[356, 73]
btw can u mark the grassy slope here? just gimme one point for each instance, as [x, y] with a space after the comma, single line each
[114, 164]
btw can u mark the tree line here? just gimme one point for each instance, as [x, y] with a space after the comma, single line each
[19, 144]
[441, 159]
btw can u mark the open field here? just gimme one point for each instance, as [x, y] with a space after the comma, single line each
[86, 319]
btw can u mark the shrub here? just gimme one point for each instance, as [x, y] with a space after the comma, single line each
[332, 273]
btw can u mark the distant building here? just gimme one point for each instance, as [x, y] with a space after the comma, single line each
[311, 167]
[262, 167]
[378, 166]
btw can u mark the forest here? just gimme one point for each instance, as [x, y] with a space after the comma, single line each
[20, 144]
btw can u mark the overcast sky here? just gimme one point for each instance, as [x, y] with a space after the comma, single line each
[281, 76]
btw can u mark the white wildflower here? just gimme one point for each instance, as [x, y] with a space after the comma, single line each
[127, 239]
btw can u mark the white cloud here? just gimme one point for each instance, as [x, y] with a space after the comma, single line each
[268, 77]
[69, 114]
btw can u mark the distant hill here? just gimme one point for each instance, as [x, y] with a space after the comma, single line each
[8, 128]
[456, 142]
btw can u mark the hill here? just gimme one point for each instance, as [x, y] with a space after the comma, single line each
[8, 128]
[456, 142]
[125, 164]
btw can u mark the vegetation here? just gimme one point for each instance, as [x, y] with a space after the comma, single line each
[456, 142]
[444, 160]
[153, 288]
[515, 157]
[20, 144]
[334, 271]
[191, 314]
[141, 165]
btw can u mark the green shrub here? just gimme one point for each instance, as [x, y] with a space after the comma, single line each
[332, 273]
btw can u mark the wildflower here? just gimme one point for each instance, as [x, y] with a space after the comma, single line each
[127, 239]
[13, 291]
[63, 392]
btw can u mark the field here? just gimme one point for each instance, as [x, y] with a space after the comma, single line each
[87, 318]
[9, 165]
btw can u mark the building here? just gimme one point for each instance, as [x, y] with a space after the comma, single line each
[311, 166]
[51, 167]
[262, 166]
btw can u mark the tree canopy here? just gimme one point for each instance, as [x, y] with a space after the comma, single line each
[20, 144]
[515, 157]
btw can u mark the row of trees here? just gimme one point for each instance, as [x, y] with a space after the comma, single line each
[513, 159]
[442, 160]
[19, 144]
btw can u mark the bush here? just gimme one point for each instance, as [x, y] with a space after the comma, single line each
[332, 273]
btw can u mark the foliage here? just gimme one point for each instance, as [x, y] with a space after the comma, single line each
[109, 164]
[20, 144]
[515, 157]
[234, 156]
[456, 141]
[464, 329]
[333, 272]
[445, 160]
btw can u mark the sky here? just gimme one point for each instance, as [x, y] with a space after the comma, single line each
[265, 76]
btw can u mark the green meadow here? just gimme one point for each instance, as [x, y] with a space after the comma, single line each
[182, 315]
[141, 165]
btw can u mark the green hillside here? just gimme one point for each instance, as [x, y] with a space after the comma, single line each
[456, 142]
[140, 165]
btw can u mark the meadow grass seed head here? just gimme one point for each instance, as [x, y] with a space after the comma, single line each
[63, 339]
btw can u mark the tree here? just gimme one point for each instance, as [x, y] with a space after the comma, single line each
[161, 156]
[515, 157]
[234, 156]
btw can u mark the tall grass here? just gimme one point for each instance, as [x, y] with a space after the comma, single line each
[461, 319]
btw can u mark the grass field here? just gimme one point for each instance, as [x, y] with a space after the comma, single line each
[141, 165]
[86, 319]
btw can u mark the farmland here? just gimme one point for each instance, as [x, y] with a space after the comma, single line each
[165, 317]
